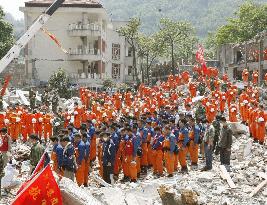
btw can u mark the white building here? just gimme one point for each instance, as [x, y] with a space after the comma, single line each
[95, 50]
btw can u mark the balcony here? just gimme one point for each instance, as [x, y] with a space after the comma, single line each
[85, 53]
[78, 30]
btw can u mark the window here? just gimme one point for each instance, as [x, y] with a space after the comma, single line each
[116, 69]
[116, 51]
[130, 70]
[130, 52]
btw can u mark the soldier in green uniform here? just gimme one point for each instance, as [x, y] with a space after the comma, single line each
[201, 88]
[57, 125]
[37, 151]
[217, 126]
[200, 111]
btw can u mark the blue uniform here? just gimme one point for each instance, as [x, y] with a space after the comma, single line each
[186, 139]
[108, 153]
[80, 147]
[67, 158]
[136, 143]
[171, 137]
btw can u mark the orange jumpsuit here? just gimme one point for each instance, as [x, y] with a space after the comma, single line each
[77, 117]
[233, 113]
[182, 150]
[261, 122]
[245, 75]
[81, 166]
[193, 148]
[255, 77]
[48, 128]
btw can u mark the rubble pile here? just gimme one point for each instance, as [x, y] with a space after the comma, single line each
[21, 152]
[248, 170]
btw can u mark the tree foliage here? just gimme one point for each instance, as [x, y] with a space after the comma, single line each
[59, 81]
[149, 49]
[179, 39]
[131, 32]
[205, 15]
[249, 20]
[6, 35]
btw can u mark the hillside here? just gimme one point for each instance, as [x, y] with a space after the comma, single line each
[18, 25]
[205, 15]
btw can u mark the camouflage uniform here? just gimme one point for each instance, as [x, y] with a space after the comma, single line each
[202, 88]
[55, 102]
[217, 126]
[37, 151]
[200, 112]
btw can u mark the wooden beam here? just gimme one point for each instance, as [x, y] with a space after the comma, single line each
[257, 189]
[225, 175]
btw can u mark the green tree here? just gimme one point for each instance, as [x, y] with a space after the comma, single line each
[108, 83]
[178, 37]
[210, 46]
[59, 81]
[249, 20]
[6, 35]
[149, 48]
[131, 32]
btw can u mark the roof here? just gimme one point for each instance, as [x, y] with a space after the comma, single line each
[67, 3]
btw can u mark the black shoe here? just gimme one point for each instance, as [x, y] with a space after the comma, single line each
[205, 169]
[255, 140]
[125, 179]
[170, 175]
[261, 143]
[133, 180]
[85, 185]
[184, 170]
[194, 164]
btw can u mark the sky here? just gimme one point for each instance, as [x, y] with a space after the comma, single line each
[12, 6]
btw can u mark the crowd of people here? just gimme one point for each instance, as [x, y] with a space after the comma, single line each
[162, 128]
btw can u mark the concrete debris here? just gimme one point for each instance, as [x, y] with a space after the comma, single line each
[168, 197]
[72, 194]
[239, 128]
[248, 172]
[21, 152]
[189, 197]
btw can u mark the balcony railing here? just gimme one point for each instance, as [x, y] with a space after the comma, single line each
[79, 26]
[85, 53]
[78, 29]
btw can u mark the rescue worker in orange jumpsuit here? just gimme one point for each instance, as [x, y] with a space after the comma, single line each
[255, 77]
[169, 146]
[157, 147]
[80, 160]
[182, 142]
[245, 75]
[233, 112]
[86, 141]
[194, 135]
[261, 123]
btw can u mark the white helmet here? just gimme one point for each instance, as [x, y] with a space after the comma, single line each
[104, 114]
[17, 119]
[75, 113]
[51, 121]
[94, 121]
[33, 120]
[212, 109]
[127, 110]
[40, 119]
[6, 121]
[68, 117]
[261, 119]
[233, 109]
[98, 109]
[136, 109]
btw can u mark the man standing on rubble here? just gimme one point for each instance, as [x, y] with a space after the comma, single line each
[225, 144]
[208, 145]
[5, 144]
[37, 151]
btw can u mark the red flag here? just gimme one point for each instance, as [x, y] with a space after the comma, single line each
[7, 79]
[204, 68]
[42, 189]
